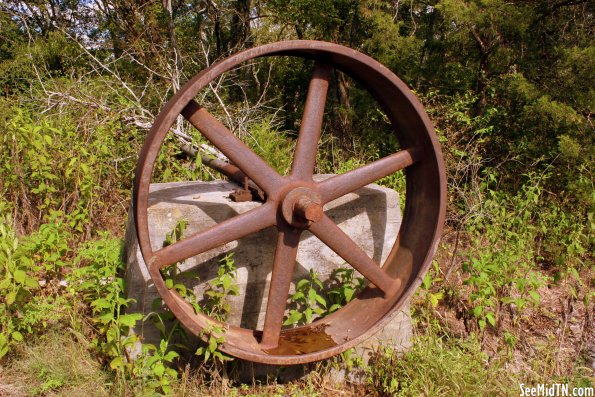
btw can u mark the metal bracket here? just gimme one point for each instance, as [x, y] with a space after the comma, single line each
[249, 191]
[243, 194]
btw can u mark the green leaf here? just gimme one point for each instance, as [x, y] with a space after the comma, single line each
[320, 300]
[212, 344]
[226, 281]
[31, 282]
[129, 320]
[318, 282]
[11, 297]
[301, 284]
[477, 310]
[427, 281]
[3, 345]
[435, 298]
[308, 314]
[16, 335]
[491, 319]
[172, 373]
[181, 288]
[3, 349]
[162, 345]
[19, 276]
[116, 363]
[536, 297]
[101, 303]
[105, 318]
[4, 284]
[159, 369]
[148, 347]
[294, 317]
[348, 294]
[312, 295]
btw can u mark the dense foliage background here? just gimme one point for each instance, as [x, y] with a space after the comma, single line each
[508, 84]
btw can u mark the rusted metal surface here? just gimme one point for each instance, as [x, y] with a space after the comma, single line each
[294, 203]
[301, 207]
[249, 190]
[223, 167]
[243, 194]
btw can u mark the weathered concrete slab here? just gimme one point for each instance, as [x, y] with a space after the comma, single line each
[370, 216]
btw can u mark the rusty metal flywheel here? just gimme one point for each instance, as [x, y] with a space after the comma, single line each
[294, 203]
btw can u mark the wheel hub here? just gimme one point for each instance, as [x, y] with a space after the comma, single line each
[301, 207]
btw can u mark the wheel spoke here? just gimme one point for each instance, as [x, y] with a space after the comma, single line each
[224, 232]
[284, 263]
[339, 185]
[307, 144]
[330, 234]
[236, 151]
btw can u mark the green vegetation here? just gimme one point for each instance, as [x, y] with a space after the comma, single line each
[460, 366]
[509, 86]
[314, 299]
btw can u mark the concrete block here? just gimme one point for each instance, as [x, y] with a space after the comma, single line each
[370, 216]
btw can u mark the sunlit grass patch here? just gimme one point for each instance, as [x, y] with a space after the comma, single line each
[438, 366]
[57, 365]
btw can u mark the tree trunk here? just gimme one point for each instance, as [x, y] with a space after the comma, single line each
[175, 74]
[481, 81]
[240, 26]
[344, 113]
